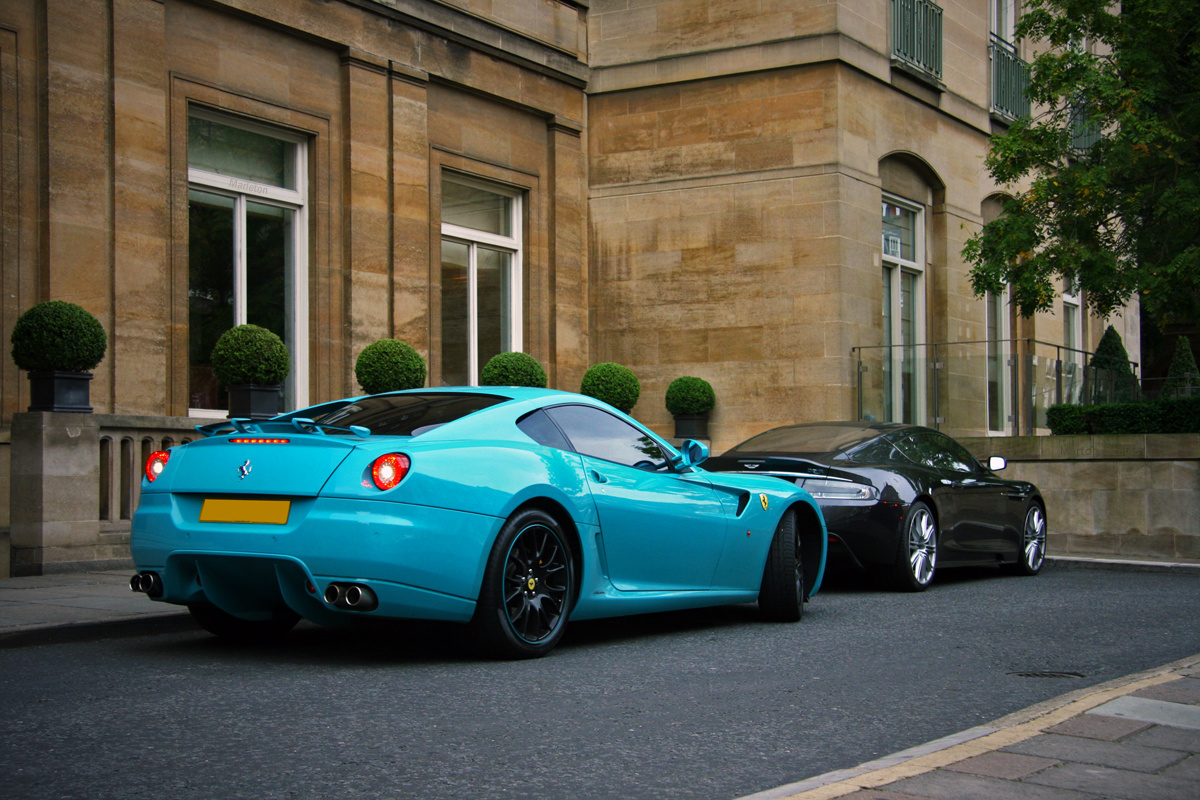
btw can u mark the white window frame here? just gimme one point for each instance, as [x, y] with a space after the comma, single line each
[243, 191]
[894, 267]
[513, 245]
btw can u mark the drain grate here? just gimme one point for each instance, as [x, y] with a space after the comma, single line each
[1048, 674]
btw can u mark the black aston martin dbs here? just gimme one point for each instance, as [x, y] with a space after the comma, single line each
[902, 499]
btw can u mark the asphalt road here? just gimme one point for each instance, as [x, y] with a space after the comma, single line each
[711, 704]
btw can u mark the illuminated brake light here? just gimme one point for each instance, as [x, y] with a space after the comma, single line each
[259, 441]
[156, 463]
[389, 470]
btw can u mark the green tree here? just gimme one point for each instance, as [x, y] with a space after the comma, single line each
[1114, 378]
[1111, 161]
[1183, 378]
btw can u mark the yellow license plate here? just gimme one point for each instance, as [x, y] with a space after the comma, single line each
[258, 512]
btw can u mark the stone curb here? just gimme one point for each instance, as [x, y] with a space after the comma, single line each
[1007, 730]
[113, 628]
[1123, 564]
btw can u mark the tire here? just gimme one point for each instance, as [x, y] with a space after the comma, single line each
[1033, 542]
[227, 626]
[781, 595]
[916, 558]
[528, 587]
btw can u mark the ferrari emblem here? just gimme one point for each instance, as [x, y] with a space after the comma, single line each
[244, 470]
[762, 498]
[532, 584]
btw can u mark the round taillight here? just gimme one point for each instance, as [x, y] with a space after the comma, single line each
[156, 463]
[389, 470]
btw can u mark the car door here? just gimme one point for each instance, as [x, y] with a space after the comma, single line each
[923, 448]
[977, 502]
[660, 529]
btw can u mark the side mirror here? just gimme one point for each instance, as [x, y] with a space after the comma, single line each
[692, 454]
[997, 463]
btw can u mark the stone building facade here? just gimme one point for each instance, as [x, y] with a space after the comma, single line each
[689, 187]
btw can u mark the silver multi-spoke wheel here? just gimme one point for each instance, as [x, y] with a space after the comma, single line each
[1033, 545]
[922, 546]
[917, 558]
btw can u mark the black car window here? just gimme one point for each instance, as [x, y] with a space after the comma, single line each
[814, 438]
[937, 451]
[916, 448]
[539, 427]
[597, 433]
[408, 414]
[880, 451]
[952, 455]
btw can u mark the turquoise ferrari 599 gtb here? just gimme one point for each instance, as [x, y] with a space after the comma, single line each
[509, 510]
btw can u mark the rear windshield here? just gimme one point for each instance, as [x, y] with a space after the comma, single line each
[807, 439]
[408, 414]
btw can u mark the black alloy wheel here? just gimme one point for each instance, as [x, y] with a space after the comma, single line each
[527, 588]
[781, 596]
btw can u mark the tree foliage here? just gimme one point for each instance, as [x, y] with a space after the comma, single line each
[1121, 217]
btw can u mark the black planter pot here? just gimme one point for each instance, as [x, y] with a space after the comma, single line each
[60, 391]
[254, 401]
[691, 426]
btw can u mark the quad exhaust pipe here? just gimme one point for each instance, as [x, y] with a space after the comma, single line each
[351, 597]
[147, 583]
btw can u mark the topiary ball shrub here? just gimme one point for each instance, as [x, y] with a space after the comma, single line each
[513, 369]
[389, 365]
[249, 354]
[690, 395]
[613, 384]
[58, 336]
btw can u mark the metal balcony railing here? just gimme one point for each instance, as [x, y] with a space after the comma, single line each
[1010, 80]
[917, 36]
[997, 387]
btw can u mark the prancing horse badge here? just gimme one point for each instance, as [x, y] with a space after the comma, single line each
[762, 498]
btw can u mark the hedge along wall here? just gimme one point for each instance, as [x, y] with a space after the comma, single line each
[1128, 495]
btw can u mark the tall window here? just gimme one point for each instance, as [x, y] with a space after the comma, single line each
[998, 353]
[1072, 359]
[247, 247]
[903, 310]
[481, 276]
[1004, 19]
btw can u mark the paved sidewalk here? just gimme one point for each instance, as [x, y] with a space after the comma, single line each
[1135, 738]
[79, 605]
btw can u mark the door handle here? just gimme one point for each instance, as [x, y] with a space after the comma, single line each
[598, 478]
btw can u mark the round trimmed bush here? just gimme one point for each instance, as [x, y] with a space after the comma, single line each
[513, 369]
[612, 383]
[690, 395]
[389, 365]
[57, 335]
[250, 354]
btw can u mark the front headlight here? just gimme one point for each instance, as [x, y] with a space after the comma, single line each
[825, 489]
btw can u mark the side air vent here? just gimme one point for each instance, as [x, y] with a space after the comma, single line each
[743, 501]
